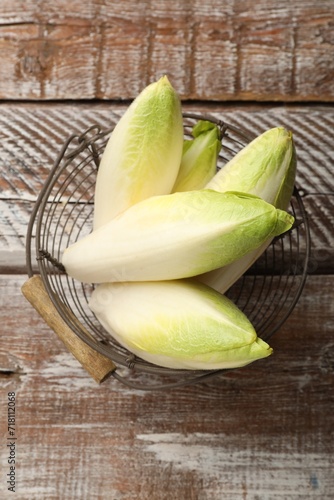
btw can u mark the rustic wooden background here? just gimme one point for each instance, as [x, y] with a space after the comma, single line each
[264, 432]
[212, 50]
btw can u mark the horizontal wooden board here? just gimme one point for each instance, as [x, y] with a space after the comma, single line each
[210, 50]
[264, 431]
[32, 135]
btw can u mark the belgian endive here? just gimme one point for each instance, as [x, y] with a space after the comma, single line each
[178, 324]
[174, 236]
[266, 168]
[143, 155]
[199, 157]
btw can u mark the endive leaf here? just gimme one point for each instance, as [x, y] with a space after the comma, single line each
[177, 324]
[143, 154]
[266, 168]
[199, 157]
[174, 236]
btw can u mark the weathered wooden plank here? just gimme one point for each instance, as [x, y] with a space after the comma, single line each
[210, 50]
[264, 431]
[32, 135]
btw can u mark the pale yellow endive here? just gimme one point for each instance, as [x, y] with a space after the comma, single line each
[199, 157]
[265, 168]
[174, 236]
[143, 155]
[178, 324]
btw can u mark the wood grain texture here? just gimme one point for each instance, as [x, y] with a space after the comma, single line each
[211, 50]
[32, 135]
[261, 432]
[264, 432]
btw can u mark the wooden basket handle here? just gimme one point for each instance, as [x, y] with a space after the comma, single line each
[98, 366]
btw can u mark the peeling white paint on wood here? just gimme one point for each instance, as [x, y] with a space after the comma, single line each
[63, 369]
[218, 460]
[260, 433]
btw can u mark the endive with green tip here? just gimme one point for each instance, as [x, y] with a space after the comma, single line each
[178, 324]
[199, 157]
[175, 236]
[143, 154]
[266, 168]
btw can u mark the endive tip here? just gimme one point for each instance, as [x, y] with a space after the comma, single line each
[164, 80]
[261, 344]
[279, 131]
[286, 133]
[161, 84]
[284, 222]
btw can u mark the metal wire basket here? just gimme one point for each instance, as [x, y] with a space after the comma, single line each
[63, 213]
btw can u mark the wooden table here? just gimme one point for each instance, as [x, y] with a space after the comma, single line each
[259, 433]
[265, 431]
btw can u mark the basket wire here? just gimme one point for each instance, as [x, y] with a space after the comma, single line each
[267, 293]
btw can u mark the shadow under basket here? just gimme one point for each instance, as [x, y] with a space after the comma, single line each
[267, 293]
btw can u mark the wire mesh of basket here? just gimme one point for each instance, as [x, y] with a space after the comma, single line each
[267, 293]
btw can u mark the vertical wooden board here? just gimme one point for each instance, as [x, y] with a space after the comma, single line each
[23, 61]
[264, 70]
[265, 41]
[314, 52]
[122, 71]
[214, 63]
[223, 61]
[214, 50]
[315, 72]
[48, 61]
[73, 70]
[265, 64]
[170, 53]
